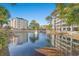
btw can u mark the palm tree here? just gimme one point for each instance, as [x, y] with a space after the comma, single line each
[49, 19]
[4, 15]
[69, 13]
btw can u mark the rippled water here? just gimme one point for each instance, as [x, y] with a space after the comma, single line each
[24, 44]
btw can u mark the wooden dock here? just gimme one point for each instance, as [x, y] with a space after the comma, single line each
[50, 52]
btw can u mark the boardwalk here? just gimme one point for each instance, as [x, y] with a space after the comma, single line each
[50, 52]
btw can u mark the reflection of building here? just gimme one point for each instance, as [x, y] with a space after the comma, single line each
[18, 23]
[20, 38]
[67, 45]
[53, 40]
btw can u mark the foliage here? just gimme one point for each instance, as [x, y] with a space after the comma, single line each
[49, 26]
[4, 15]
[3, 38]
[34, 25]
[69, 12]
[49, 19]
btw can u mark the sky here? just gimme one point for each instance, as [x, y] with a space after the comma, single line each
[31, 11]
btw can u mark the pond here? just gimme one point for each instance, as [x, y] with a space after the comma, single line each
[25, 43]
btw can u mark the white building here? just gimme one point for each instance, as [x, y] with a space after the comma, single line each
[65, 43]
[60, 25]
[18, 23]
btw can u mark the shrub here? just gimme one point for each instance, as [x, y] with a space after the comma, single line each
[3, 38]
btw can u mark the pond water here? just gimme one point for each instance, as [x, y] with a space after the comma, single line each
[24, 43]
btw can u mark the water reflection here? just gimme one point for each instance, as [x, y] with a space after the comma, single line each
[66, 44]
[34, 37]
[25, 43]
[4, 46]
[4, 51]
[50, 41]
[19, 38]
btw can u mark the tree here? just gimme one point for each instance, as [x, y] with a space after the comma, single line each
[68, 13]
[4, 15]
[49, 19]
[60, 9]
[34, 25]
[49, 27]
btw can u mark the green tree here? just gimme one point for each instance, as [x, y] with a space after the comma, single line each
[34, 25]
[3, 38]
[60, 9]
[49, 19]
[68, 13]
[49, 27]
[4, 15]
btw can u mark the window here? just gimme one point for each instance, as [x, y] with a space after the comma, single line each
[64, 28]
[68, 29]
[63, 37]
[60, 36]
[68, 39]
[77, 41]
[75, 29]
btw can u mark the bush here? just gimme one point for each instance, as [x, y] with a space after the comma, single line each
[3, 38]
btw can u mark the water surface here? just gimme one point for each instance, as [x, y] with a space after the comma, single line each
[24, 43]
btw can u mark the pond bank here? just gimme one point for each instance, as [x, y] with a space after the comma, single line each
[4, 38]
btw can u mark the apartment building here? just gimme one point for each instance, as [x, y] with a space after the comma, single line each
[18, 23]
[60, 25]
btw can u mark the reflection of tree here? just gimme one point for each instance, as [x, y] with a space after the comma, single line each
[3, 38]
[49, 43]
[51, 40]
[4, 52]
[34, 37]
[49, 36]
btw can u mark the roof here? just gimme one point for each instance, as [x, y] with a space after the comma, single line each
[18, 18]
